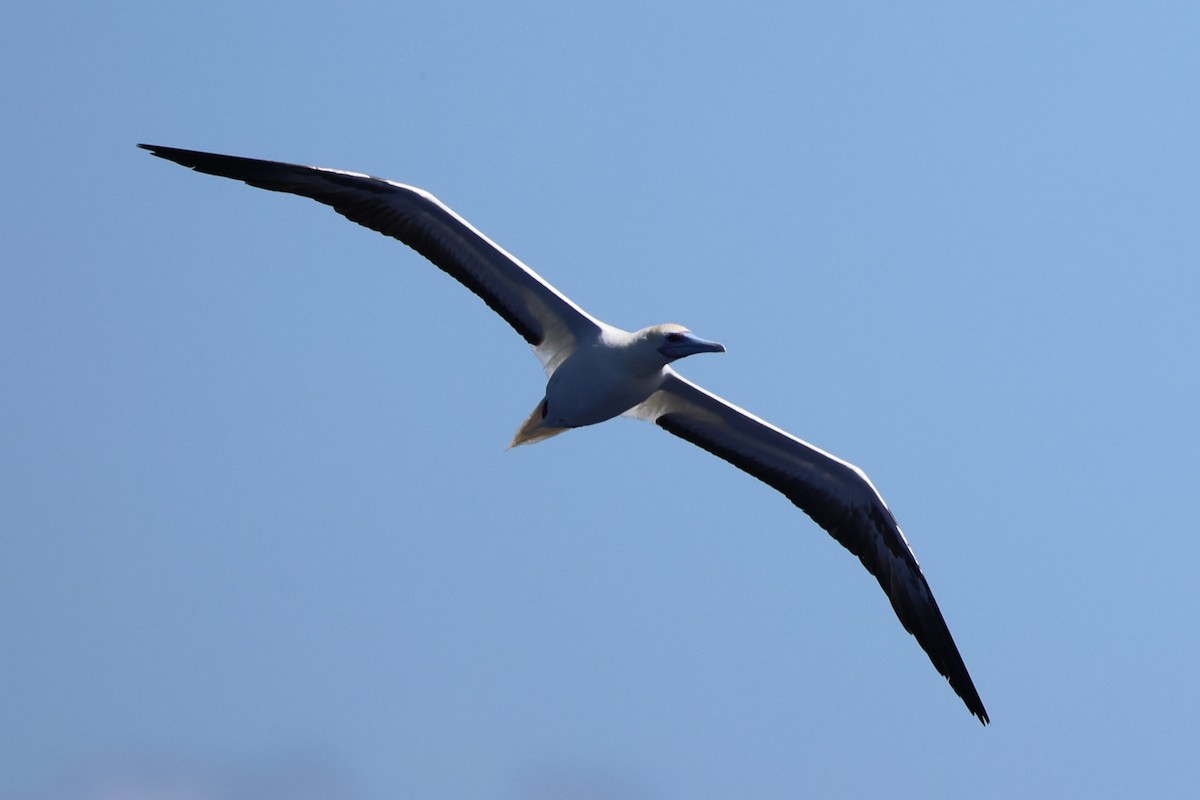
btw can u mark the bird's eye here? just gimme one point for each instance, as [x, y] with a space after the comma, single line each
[674, 337]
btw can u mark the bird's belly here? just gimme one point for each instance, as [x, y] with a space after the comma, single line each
[590, 398]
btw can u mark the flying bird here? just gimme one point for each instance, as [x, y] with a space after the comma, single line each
[597, 372]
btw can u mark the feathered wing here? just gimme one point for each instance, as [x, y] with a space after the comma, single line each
[838, 497]
[550, 322]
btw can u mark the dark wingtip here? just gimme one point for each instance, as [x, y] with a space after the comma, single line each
[973, 703]
[963, 686]
[169, 153]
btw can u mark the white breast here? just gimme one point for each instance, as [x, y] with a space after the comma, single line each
[601, 380]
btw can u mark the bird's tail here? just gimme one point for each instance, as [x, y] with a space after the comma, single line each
[535, 428]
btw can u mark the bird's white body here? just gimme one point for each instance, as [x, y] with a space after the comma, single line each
[605, 376]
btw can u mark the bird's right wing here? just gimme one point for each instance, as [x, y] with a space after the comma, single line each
[548, 320]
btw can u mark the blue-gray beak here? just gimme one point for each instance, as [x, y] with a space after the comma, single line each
[679, 345]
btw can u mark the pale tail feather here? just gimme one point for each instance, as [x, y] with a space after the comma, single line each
[534, 429]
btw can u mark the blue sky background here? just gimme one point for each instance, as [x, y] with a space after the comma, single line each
[260, 533]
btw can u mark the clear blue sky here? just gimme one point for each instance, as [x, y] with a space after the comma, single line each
[260, 533]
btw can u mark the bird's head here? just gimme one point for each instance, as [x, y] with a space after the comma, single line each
[673, 342]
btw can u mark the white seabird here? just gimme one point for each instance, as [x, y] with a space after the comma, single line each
[597, 372]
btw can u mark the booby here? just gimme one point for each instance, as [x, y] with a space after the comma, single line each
[597, 371]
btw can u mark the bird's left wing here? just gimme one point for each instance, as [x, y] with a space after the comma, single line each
[837, 495]
[547, 319]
